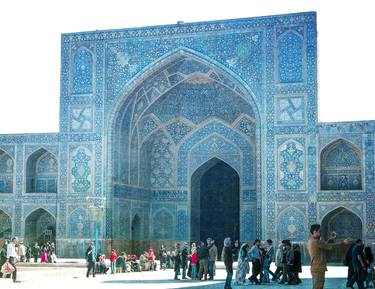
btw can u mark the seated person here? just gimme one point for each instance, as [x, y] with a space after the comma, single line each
[143, 262]
[151, 259]
[135, 267]
[103, 265]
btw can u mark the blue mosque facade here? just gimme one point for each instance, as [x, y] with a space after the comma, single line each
[180, 132]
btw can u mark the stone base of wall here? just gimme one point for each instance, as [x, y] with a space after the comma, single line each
[76, 248]
[138, 247]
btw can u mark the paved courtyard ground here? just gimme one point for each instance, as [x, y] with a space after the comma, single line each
[58, 277]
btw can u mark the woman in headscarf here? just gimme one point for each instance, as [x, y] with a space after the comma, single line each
[243, 264]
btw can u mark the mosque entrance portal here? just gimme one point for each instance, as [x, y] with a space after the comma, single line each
[215, 205]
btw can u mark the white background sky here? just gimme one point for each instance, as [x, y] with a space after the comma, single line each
[30, 49]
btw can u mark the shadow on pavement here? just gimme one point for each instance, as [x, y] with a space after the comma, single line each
[330, 283]
[158, 281]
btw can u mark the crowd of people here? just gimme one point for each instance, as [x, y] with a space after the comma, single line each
[197, 261]
[13, 252]
[288, 263]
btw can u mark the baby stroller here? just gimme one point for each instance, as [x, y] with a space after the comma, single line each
[134, 265]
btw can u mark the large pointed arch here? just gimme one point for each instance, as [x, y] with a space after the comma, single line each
[147, 90]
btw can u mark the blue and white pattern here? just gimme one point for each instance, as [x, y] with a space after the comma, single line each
[81, 170]
[291, 166]
[142, 109]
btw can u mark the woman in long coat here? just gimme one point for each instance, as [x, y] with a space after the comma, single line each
[243, 264]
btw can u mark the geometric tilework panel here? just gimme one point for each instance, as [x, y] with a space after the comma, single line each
[157, 161]
[41, 172]
[290, 57]
[197, 100]
[81, 163]
[163, 225]
[290, 110]
[82, 74]
[178, 130]
[291, 166]
[6, 173]
[291, 224]
[5, 225]
[79, 224]
[215, 146]
[248, 224]
[182, 225]
[341, 166]
[81, 119]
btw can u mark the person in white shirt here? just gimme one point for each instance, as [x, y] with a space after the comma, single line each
[22, 252]
[12, 257]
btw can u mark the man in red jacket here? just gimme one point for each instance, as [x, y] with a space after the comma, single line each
[113, 258]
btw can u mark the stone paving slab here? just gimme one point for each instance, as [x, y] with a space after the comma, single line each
[75, 278]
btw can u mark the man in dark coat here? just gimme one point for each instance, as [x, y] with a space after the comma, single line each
[90, 258]
[184, 259]
[348, 262]
[203, 255]
[177, 261]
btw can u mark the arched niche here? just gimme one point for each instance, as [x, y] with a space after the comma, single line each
[40, 226]
[6, 172]
[341, 167]
[41, 172]
[344, 222]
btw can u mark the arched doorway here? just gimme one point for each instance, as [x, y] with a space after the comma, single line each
[5, 226]
[346, 224]
[40, 226]
[215, 209]
[136, 235]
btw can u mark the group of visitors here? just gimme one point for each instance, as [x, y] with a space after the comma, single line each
[14, 251]
[8, 259]
[122, 263]
[288, 261]
[46, 253]
[360, 262]
[196, 262]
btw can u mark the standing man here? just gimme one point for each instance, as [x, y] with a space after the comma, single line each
[212, 251]
[359, 265]
[255, 259]
[184, 259]
[90, 258]
[177, 261]
[318, 252]
[203, 255]
[12, 257]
